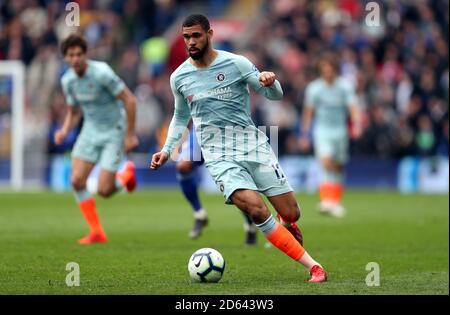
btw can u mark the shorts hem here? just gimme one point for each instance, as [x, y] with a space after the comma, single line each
[228, 200]
[83, 158]
[278, 192]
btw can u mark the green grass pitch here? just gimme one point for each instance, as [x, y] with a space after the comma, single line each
[148, 249]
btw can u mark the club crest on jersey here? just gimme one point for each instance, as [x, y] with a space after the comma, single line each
[220, 77]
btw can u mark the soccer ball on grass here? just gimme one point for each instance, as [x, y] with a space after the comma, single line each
[206, 265]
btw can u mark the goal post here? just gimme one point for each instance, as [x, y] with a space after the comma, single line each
[16, 70]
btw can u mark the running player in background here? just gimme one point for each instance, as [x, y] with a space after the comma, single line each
[93, 90]
[328, 100]
[188, 168]
[212, 86]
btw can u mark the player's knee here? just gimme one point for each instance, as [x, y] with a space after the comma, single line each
[294, 213]
[106, 191]
[78, 183]
[184, 167]
[328, 164]
[258, 212]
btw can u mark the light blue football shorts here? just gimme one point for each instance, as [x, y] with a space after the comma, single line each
[331, 146]
[267, 178]
[107, 150]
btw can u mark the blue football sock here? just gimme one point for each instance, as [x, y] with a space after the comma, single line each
[189, 186]
[247, 219]
[248, 224]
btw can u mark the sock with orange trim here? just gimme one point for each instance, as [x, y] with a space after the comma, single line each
[331, 187]
[281, 238]
[325, 191]
[86, 204]
[336, 192]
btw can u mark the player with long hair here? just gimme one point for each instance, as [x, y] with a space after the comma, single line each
[328, 100]
[108, 107]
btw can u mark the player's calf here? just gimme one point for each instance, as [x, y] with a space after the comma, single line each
[287, 207]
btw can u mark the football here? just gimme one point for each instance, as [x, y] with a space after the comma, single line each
[206, 265]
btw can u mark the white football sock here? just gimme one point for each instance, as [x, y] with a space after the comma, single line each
[307, 261]
[200, 214]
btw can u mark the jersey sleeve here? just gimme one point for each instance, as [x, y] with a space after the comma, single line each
[70, 99]
[350, 94]
[180, 119]
[310, 95]
[251, 74]
[111, 80]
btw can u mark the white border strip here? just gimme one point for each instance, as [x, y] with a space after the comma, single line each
[16, 69]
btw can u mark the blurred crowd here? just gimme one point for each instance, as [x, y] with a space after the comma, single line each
[399, 68]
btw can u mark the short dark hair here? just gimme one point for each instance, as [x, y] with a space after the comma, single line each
[74, 40]
[197, 19]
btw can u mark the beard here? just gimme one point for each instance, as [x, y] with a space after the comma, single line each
[200, 53]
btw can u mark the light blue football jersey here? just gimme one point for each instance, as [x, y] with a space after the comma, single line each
[330, 103]
[217, 99]
[96, 92]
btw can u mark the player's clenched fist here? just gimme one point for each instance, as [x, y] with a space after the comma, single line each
[158, 160]
[267, 78]
[59, 136]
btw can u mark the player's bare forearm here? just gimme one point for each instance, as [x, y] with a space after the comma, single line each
[72, 118]
[129, 102]
[306, 120]
[70, 121]
[356, 118]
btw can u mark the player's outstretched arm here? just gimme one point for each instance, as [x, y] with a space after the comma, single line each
[307, 117]
[355, 116]
[72, 118]
[264, 83]
[306, 121]
[159, 159]
[354, 110]
[129, 101]
[179, 122]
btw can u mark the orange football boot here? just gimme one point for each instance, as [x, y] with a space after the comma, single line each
[93, 238]
[128, 176]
